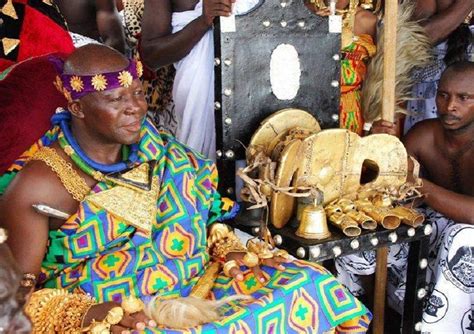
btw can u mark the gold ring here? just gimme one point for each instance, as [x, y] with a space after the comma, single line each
[228, 266]
[132, 305]
[281, 253]
[114, 316]
[250, 259]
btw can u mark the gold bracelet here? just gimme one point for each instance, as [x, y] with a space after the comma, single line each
[57, 310]
[28, 280]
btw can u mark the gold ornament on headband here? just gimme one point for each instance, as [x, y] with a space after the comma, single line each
[125, 79]
[99, 82]
[76, 83]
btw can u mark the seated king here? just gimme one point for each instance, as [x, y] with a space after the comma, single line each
[106, 214]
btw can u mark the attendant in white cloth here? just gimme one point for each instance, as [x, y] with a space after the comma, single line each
[445, 149]
[180, 32]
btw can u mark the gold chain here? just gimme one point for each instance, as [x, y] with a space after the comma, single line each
[71, 180]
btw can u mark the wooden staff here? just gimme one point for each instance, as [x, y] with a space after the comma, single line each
[388, 114]
[389, 62]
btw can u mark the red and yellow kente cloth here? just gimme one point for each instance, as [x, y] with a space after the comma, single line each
[353, 70]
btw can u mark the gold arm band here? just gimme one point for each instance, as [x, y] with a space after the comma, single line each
[71, 180]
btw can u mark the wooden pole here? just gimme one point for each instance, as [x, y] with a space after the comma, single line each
[380, 290]
[389, 61]
[388, 114]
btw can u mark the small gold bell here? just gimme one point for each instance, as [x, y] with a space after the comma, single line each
[313, 223]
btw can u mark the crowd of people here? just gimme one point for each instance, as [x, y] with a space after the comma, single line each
[118, 199]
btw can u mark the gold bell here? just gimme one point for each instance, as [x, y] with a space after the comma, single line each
[313, 223]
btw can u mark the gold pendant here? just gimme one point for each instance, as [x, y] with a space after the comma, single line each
[134, 205]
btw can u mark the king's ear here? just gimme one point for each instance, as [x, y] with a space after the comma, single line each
[75, 107]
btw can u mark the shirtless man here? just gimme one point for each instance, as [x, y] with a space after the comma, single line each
[441, 17]
[442, 21]
[444, 147]
[180, 32]
[96, 19]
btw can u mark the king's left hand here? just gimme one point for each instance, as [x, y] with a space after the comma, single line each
[235, 260]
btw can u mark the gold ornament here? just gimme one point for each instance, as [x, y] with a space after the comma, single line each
[281, 253]
[347, 225]
[382, 215]
[114, 316]
[71, 180]
[313, 224]
[99, 328]
[135, 206]
[99, 82]
[125, 79]
[228, 266]
[363, 220]
[206, 282]
[409, 216]
[131, 304]
[76, 83]
[250, 259]
[28, 280]
[260, 248]
[68, 150]
[57, 311]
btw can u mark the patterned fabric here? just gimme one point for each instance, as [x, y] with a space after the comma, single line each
[157, 85]
[353, 69]
[449, 307]
[95, 252]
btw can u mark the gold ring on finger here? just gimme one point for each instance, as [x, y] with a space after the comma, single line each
[131, 304]
[228, 266]
[281, 253]
[250, 259]
[115, 315]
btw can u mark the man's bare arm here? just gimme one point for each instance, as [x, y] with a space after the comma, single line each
[457, 207]
[109, 25]
[438, 25]
[27, 230]
[159, 47]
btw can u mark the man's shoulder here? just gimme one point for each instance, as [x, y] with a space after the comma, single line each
[427, 127]
[34, 182]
